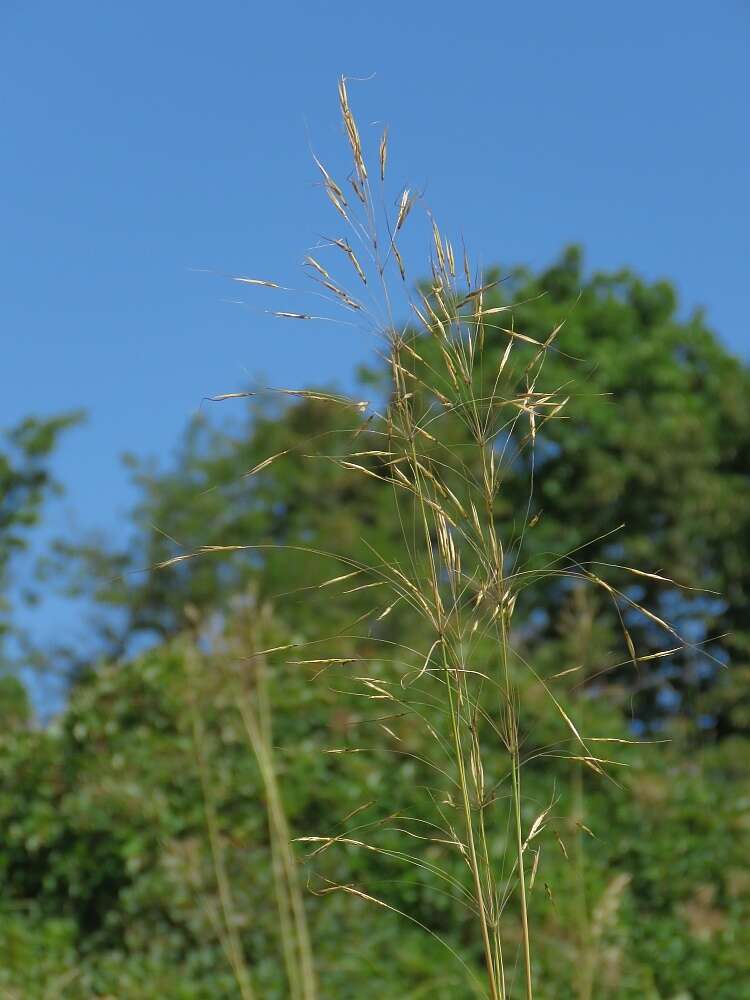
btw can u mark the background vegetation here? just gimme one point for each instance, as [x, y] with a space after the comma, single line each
[643, 890]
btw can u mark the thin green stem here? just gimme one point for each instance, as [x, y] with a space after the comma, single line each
[473, 858]
[232, 943]
[513, 747]
[516, 773]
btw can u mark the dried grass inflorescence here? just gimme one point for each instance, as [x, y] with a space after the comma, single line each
[463, 569]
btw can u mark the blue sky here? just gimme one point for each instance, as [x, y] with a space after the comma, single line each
[146, 139]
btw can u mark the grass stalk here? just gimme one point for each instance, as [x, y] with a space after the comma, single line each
[254, 706]
[491, 958]
[514, 750]
[230, 938]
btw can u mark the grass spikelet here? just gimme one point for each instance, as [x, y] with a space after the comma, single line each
[404, 207]
[265, 463]
[383, 153]
[260, 282]
[345, 246]
[352, 131]
[230, 395]
[317, 266]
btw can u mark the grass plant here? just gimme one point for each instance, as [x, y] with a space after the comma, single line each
[442, 444]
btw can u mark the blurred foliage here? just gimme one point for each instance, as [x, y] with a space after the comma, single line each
[642, 888]
[650, 470]
[25, 483]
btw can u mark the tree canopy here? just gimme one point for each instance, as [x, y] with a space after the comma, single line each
[651, 472]
[112, 813]
[25, 483]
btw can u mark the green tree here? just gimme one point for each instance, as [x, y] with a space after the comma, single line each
[208, 498]
[659, 444]
[649, 471]
[109, 889]
[25, 483]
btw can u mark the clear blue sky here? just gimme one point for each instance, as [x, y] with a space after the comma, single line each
[145, 139]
